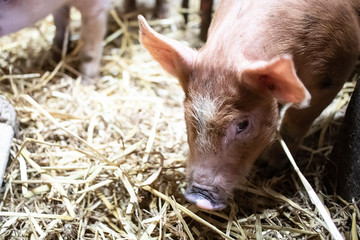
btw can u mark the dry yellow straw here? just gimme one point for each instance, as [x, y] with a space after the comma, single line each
[313, 197]
[186, 211]
[36, 215]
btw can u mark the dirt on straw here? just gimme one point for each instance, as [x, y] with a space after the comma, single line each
[108, 161]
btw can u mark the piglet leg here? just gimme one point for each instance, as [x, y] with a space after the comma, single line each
[61, 21]
[93, 17]
[7, 130]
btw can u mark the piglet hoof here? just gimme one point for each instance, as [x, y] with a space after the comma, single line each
[91, 73]
[7, 131]
[89, 81]
[56, 51]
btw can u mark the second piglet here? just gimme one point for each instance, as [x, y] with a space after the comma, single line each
[17, 14]
[259, 55]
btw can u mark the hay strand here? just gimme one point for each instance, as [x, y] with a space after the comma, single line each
[186, 211]
[313, 197]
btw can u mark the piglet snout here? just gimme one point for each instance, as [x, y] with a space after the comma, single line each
[205, 198]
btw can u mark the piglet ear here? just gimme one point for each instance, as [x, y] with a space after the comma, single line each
[278, 78]
[173, 56]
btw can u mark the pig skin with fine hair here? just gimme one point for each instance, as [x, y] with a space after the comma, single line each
[259, 55]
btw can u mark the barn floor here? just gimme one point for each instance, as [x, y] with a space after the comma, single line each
[108, 161]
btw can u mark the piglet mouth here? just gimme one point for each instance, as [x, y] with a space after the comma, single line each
[205, 197]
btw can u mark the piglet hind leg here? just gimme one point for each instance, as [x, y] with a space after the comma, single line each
[7, 131]
[93, 29]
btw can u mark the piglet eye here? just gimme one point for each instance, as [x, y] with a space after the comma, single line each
[240, 127]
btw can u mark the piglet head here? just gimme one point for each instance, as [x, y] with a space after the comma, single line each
[231, 112]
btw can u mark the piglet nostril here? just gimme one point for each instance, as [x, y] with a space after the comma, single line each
[206, 193]
[204, 198]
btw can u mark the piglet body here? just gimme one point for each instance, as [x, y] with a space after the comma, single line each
[17, 14]
[259, 55]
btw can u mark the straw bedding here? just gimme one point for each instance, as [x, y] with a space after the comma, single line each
[108, 161]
